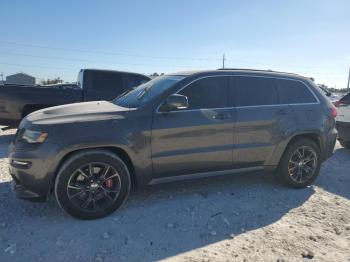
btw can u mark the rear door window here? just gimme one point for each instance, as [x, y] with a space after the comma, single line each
[254, 91]
[107, 81]
[209, 92]
[294, 92]
[135, 80]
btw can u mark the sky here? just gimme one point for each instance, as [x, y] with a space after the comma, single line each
[49, 39]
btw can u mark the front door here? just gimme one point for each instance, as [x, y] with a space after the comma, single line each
[196, 139]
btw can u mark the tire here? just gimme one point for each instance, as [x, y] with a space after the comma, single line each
[344, 143]
[289, 172]
[78, 173]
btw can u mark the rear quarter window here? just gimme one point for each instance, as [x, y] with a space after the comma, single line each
[293, 92]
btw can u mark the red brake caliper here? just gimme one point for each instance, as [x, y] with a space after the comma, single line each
[109, 183]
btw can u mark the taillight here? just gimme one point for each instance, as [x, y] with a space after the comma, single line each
[334, 112]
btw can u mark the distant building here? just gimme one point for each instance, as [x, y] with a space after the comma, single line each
[20, 79]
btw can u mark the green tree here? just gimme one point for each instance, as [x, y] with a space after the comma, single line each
[56, 80]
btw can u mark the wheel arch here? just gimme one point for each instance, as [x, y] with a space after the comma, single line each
[274, 159]
[122, 154]
[313, 136]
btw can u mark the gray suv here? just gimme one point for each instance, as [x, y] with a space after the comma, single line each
[175, 127]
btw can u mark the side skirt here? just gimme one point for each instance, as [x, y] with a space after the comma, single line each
[162, 180]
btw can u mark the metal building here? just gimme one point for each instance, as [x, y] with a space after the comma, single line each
[20, 79]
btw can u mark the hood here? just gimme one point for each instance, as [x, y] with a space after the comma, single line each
[78, 112]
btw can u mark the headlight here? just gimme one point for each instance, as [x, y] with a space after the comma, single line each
[33, 137]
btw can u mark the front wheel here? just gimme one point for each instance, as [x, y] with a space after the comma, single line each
[300, 164]
[92, 184]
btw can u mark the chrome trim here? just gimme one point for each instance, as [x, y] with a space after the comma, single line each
[233, 75]
[162, 180]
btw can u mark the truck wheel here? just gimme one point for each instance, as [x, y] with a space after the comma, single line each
[92, 184]
[300, 164]
[344, 143]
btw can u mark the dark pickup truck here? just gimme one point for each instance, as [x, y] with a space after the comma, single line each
[18, 101]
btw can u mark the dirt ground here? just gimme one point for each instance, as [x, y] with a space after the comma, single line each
[245, 217]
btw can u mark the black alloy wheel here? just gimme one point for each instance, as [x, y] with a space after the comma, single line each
[92, 184]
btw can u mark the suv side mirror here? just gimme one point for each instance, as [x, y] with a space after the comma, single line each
[174, 102]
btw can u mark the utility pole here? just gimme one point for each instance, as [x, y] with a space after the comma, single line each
[348, 87]
[223, 61]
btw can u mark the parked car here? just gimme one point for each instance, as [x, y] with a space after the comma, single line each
[343, 101]
[18, 101]
[175, 127]
[343, 120]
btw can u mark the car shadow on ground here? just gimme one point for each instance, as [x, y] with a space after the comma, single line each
[159, 222]
[335, 173]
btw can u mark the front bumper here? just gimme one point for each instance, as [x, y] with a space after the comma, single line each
[23, 193]
[34, 179]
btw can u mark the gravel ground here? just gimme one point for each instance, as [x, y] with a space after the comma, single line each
[247, 217]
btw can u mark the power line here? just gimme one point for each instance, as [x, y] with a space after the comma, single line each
[91, 61]
[39, 66]
[162, 57]
[108, 53]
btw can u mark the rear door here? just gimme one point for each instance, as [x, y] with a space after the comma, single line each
[260, 120]
[197, 139]
[303, 102]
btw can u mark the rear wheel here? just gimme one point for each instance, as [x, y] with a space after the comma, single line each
[92, 184]
[345, 144]
[300, 164]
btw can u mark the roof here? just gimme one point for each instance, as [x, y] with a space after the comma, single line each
[23, 74]
[112, 71]
[240, 70]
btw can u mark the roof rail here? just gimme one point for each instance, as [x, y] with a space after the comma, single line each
[258, 70]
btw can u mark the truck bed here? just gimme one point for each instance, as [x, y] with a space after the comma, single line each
[16, 101]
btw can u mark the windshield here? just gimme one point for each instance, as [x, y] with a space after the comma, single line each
[136, 97]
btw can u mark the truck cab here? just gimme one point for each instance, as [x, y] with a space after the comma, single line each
[107, 84]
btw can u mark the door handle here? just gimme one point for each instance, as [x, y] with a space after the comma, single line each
[222, 116]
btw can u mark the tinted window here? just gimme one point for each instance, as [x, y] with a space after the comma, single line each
[254, 91]
[136, 80]
[210, 92]
[293, 92]
[107, 81]
[147, 91]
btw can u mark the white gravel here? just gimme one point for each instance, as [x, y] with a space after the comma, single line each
[247, 217]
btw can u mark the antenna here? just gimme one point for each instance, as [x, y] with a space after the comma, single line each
[223, 60]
